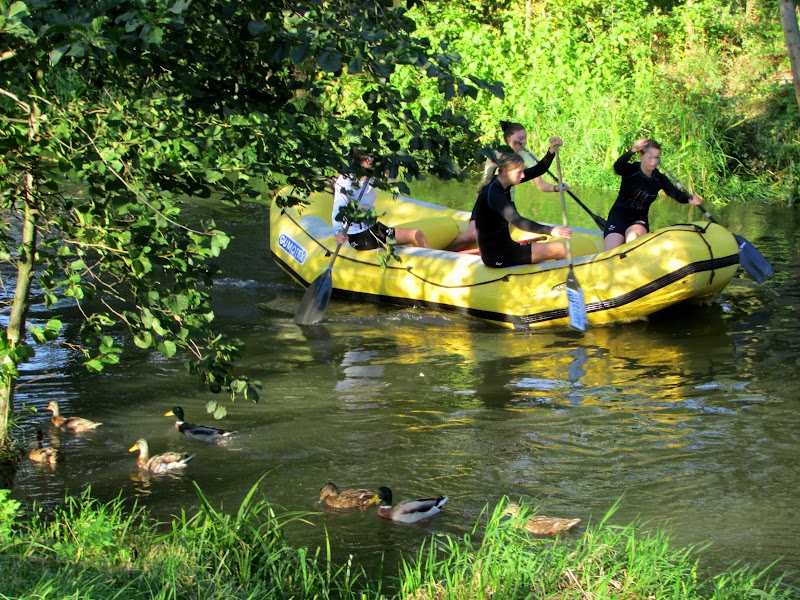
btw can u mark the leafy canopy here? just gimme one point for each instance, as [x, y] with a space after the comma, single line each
[121, 110]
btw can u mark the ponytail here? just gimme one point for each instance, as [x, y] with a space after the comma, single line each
[505, 159]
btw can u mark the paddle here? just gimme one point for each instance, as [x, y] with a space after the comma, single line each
[318, 294]
[576, 305]
[756, 265]
[599, 221]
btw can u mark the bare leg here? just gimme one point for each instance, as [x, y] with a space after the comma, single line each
[463, 240]
[413, 237]
[634, 231]
[547, 251]
[613, 240]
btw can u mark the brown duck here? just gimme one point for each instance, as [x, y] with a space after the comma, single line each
[539, 524]
[75, 424]
[44, 454]
[330, 495]
[160, 463]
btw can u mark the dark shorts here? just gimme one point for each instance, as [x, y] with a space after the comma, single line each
[619, 221]
[372, 238]
[507, 256]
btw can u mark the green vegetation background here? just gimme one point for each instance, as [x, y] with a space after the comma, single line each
[708, 79]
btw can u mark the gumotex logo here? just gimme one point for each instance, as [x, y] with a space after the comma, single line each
[294, 249]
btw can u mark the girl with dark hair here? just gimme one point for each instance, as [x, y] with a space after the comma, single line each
[641, 182]
[516, 136]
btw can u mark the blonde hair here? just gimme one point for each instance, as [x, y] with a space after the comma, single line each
[504, 161]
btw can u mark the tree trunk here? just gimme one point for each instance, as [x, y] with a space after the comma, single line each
[15, 331]
[790, 31]
[528, 17]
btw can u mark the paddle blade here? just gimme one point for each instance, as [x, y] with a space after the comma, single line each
[315, 300]
[758, 267]
[576, 304]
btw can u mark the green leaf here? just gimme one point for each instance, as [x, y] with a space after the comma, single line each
[329, 61]
[167, 348]
[219, 242]
[214, 176]
[144, 339]
[355, 65]
[17, 10]
[255, 28]
[95, 365]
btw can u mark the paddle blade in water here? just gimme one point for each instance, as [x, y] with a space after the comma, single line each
[576, 304]
[758, 267]
[315, 300]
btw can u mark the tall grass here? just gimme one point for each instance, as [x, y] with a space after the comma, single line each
[87, 549]
[605, 562]
[699, 77]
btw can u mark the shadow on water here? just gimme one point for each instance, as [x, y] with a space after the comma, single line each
[691, 416]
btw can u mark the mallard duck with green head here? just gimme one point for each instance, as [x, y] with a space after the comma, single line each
[408, 511]
[74, 424]
[160, 463]
[203, 433]
[44, 454]
[330, 495]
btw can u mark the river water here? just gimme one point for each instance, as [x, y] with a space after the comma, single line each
[691, 419]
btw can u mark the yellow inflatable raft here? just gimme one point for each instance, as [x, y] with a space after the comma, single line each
[685, 262]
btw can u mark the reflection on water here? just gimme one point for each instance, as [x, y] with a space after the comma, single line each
[691, 417]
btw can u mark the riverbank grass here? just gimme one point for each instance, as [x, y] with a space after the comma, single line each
[88, 549]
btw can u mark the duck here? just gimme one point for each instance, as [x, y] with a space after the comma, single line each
[44, 454]
[540, 524]
[160, 463]
[204, 433]
[75, 424]
[330, 495]
[408, 511]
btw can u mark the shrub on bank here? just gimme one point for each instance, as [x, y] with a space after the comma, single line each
[88, 549]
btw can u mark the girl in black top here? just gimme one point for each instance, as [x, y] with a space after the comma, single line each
[495, 209]
[641, 182]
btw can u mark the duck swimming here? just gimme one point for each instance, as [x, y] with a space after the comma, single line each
[44, 454]
[160, 463]
[203, 433]
[330, 495]
[75, 424]
[539, 524]
[408, 511]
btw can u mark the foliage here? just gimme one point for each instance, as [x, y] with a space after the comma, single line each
[9, 509]
[113, 114]
[700, 77]
[607, 561]
[90, 549]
